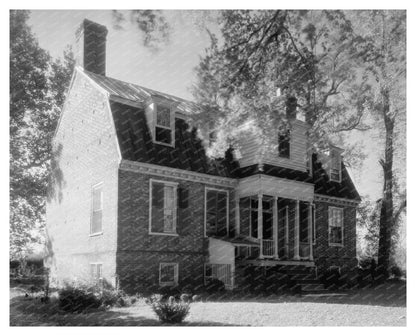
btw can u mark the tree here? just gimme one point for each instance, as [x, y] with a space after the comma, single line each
[37, 87]
[383, 49]
[265, 58]
[151, 23]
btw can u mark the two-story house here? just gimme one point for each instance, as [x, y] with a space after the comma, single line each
[134, 200]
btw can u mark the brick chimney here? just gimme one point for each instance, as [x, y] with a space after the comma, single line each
[291, 104]
[90, 46]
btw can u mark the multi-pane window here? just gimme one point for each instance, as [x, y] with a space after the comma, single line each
[216, 212]
[96, 270]
[254, 208]
[336, 225]
[97, 209]
[168, 274]
[163, 127]
[335, 170]
[284, 144]
[163, 207]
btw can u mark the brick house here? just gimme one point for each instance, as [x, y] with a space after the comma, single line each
[135, 201]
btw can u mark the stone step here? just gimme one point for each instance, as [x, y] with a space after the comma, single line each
[303, 276]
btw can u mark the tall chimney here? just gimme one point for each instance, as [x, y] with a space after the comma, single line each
[90, 46]
[291, 104]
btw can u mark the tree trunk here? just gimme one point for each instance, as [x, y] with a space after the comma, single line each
[386, 212]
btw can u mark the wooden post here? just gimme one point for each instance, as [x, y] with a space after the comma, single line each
[260, 222]
[297, 217]
[310, 232]
[275, 228]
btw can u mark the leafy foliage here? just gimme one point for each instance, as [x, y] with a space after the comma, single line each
[266, 57]
[151, 23]
[382, 46]
[37, 90]
[78, 299]
[169, 310]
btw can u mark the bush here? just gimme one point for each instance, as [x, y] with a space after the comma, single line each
[78, 299]
[111, 297]
[169, 310]
[396, 272]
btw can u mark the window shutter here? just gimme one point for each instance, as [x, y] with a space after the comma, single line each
[157, 195]
[183, 197]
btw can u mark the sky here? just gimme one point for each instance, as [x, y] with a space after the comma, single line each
[169, 70]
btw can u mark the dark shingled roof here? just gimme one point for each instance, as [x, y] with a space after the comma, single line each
[136, 144]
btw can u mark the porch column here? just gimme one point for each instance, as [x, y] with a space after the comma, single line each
[297, 216]
[260, 222]
[237, 214]
[275, 228]
[310, 233]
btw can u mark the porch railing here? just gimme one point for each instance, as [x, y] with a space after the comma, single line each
[268, 247]
[219, 271]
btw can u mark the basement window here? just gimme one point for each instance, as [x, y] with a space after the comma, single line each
[163, 125]
[168, 274]
[96, 270]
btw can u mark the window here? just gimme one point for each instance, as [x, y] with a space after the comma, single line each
[97, 273]
[335, 169]
[97, 210]
[254, 208]
[284, 145]
[314, 224]
[163, 127]
[216, 215]
[163, 207]
[168, 274]
[336, 226]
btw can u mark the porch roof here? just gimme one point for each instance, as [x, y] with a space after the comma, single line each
[275, 186]
[238, 240]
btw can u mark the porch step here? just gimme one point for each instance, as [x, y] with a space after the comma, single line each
[313, 287]
[307, 281]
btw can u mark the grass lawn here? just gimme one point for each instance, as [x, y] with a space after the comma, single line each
[381, 306]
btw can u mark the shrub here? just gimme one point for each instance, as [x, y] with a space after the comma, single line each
[78, 299]
[169, 310]
[396, 272]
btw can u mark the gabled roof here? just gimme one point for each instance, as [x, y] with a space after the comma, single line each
[136, 143]
[138, 93]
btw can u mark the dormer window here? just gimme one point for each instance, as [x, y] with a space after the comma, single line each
[335, 168]
[284, 144]
[163, 125]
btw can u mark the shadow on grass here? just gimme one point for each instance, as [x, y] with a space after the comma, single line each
[32, 312]
[389, 294]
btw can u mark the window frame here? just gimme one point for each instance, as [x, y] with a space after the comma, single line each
[250, 218]
[287, 134]
[97, 280]
[205, 208]
[175, 274]
[93, 187]
[331, 168]
[171, 123]
[330, 219]
[175, 203]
